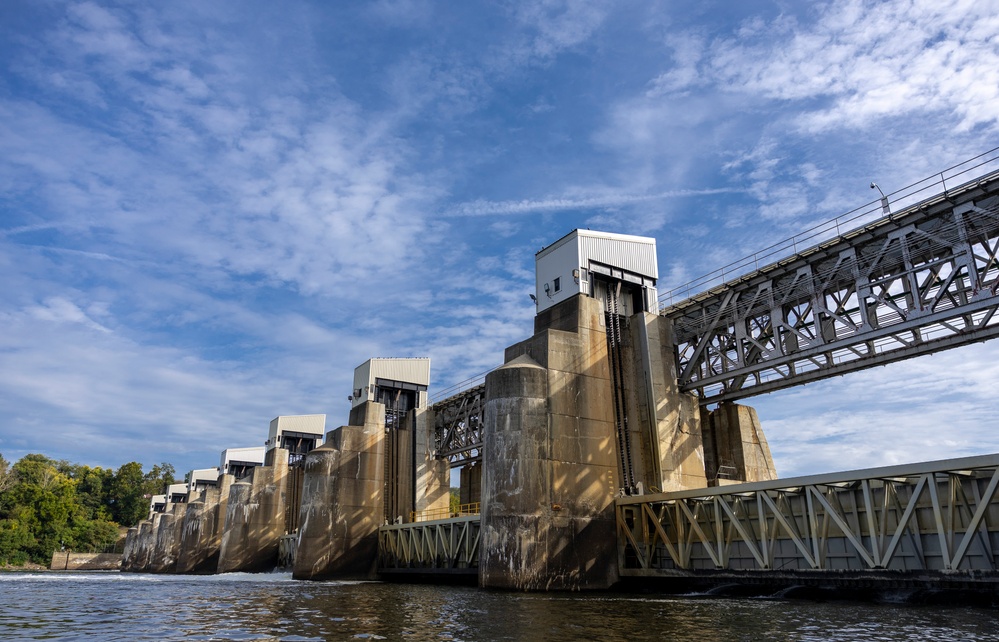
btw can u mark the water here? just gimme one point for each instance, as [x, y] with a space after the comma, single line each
[113, 606]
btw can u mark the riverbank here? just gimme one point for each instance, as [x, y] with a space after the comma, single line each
[27, 567]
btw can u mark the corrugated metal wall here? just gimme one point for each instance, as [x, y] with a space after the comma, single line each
[416, 370]
[631, 255]
[313, 424]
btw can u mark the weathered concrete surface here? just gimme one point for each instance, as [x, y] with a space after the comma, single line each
[164, 552]
[432, 489]
[201, 532]
[139, 545]
[470, 484]
[129, 555]
[669, 421]
[66, 561]
[256, 518]
[550, 471]
[343, 500]
[738, 449]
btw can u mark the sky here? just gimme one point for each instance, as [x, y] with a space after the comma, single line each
[211, 213]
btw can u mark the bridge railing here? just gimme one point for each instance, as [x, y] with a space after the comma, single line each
[447, 546]
[934, 516]
[949, 178]
[462, 510]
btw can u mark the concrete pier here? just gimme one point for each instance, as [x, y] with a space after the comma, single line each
[550, 468]
[256, 518]
[343, 500]
[201, 533]
[735, 448]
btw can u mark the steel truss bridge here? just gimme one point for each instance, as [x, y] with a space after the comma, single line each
[446, 546]
[933, 516]
[913, 282]
[458, 426]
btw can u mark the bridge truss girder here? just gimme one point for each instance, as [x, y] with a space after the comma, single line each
[443, 546]
[934, 516]
[458, 427]
[912, 283]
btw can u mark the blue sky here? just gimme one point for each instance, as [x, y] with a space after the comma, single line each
[210, 213]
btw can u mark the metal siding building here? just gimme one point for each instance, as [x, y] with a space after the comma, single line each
[563, 269]
[251, 455]
[415, 370]
[305, 424]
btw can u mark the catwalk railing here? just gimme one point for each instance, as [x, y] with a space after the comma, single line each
[933, 516]
[446, 546]
[914, 282]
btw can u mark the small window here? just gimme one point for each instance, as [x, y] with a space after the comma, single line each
[558, 283]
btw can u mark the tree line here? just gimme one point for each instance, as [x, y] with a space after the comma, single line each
[48, 505]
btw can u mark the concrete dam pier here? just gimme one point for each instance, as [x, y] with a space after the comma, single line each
[603, 451]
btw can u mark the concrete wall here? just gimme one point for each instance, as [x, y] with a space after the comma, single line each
[343, 500]
[139, 545]
[201, 532]
[432, 489]
[550, 470]
[163, 557]
[256, 518]
[470, 484]
[66, 561]
[735, 445]
[668, 422]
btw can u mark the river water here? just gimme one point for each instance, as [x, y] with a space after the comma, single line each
[119, 606]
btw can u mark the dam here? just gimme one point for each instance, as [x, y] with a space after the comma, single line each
[609, 447]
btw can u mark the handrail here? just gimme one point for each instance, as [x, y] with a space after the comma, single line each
[832, 228]
[432, 514]
[460, 387]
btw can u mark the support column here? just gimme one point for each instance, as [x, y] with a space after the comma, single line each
[740, 452]
[201, 535]
[670, 420]
[550, 462]
[343, 501]
[255, 518]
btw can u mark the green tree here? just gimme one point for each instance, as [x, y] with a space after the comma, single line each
[129, 501]
[158, 478]
[43, 512]
[6, 478]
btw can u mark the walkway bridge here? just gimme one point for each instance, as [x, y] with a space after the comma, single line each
[914, 281]
[934, 517]
[437, 547]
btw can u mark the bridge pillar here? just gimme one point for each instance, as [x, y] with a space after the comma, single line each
[343, 500]
[201, 534]
[549, 461]
[735, 448]
[256, 518]
[470, 488]
[432, 476]
[665, 422]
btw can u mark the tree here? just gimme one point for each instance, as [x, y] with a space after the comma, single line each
[6, 477]
[158, 478]
[47, 504]
[129, 503]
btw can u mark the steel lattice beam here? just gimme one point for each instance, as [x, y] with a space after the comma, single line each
[931, 516]
[444, 546]
[458, 427]
[916, 282]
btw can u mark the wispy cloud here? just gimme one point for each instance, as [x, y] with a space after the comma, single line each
[487, 208]
[212, 212]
